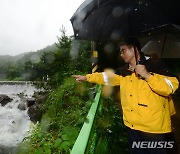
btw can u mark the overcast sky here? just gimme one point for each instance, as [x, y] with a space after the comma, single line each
[30, 25]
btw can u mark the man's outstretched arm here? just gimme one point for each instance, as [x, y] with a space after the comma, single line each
[104, 78]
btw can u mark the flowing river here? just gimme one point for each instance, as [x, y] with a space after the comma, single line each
[14, 123]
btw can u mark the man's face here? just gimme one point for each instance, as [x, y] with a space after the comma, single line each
[127, 53]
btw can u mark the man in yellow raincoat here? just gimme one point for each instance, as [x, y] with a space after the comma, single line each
[145, 92]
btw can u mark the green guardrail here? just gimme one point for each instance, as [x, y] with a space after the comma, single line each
[82, 140]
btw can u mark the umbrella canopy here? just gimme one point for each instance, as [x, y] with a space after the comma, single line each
[163, 42]
[101, 20]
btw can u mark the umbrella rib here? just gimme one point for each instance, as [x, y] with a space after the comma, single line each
[164, 41]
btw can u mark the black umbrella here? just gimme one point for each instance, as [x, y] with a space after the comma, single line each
[100, 20]
[162, 42]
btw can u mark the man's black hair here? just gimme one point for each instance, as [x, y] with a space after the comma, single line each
[131, 41]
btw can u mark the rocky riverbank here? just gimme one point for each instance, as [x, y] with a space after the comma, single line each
[20, 104]
[35, 104]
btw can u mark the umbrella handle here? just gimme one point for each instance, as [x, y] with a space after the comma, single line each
[137, 63]
[136, 58]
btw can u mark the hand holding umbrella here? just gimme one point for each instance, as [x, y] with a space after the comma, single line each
[142, 71]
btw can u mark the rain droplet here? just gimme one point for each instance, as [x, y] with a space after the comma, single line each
[50, 58]
[136, 9]
[127, 10]
[77, 25]
[116, 35]
[93, 60]
[117, 11]
[74, 49]
[107, 90]
[109, 48]
[140, 2]
[35, 59]
[81, 15]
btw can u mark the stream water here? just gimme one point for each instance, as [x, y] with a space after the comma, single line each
[14, 123]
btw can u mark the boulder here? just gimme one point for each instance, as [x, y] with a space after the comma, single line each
[31, 101]
[4, 99]
[35, 112]
[22, 106]
[41, 99]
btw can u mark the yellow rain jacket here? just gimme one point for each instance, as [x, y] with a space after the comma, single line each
[146, 103]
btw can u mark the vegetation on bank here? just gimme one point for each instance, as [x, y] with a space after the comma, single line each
[68, 102]
[64, 113]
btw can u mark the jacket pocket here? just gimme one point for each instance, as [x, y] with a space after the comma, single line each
[144, 105]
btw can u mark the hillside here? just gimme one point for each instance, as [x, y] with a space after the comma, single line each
[8, 63]
[26, 55]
